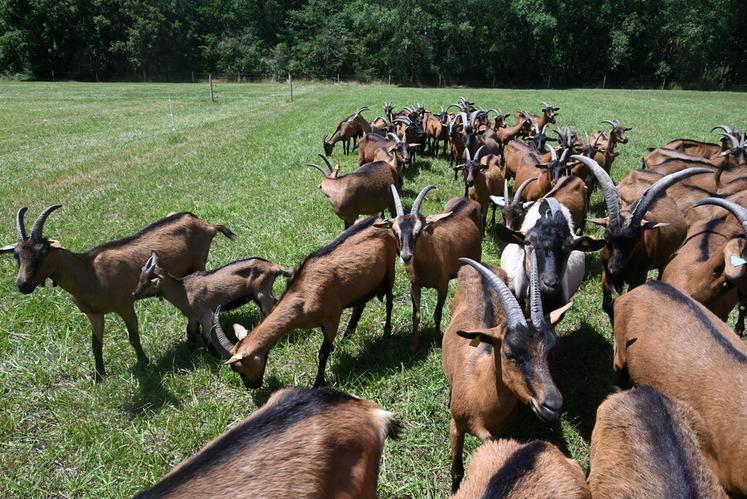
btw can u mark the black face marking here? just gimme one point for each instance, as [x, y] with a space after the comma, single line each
[518, 465]
[551, 241]
[292, 409]
[621, 242]
[677, 296]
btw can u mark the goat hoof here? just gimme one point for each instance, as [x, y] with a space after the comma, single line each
[438, 339]
[415, 346]
[387, 331]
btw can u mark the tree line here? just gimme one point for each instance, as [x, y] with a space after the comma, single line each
[692, 43]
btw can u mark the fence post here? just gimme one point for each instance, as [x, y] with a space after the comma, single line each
[390, 77]
[210, 80]
[663, 82]
[53, 75]
[604, 81]
[290, 85]
[338, 78]
[193, 76]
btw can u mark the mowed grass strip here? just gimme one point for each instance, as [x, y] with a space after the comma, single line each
[117, 161]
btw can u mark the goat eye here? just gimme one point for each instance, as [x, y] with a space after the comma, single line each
[512, 357]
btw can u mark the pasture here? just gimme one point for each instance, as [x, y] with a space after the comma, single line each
[116, 159]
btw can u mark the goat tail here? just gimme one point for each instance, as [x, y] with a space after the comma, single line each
[225, 231]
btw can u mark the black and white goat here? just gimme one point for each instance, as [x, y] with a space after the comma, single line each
[547, 231]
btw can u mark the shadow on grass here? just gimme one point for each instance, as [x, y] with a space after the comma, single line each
[582, 370]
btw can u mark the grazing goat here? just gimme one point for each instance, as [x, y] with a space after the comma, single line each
[348, 129]
[512, 470]
[641, 237]
[548, 234]
[430, 248]
[645, 444]
[506, 361]
[666, 339]
[301, 443]
[101, 280]
[200, 294]
[710, 264]
[480, 182]
[348, 272]
[364, 191]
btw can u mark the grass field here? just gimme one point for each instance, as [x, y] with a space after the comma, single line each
[109, 154]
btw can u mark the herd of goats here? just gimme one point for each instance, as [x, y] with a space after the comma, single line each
[680, 432]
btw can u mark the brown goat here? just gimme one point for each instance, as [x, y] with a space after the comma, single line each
[506, 361]
[710, 264]
[437, 130]
[512, 470]
[364, 191]
[513, 209]
[301, 443]
[673, 343]
[505, 135]
[348, 129]
[571, 192]
[348, 272]
[480, 182]
[101, 280]
[200, 294]
[547, 174]
[374, 147]
[645, 444]
[430, 248]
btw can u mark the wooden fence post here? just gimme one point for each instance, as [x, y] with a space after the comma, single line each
[210, 80]
[290, 85]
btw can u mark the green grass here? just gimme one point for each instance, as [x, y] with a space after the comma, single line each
[107, 152]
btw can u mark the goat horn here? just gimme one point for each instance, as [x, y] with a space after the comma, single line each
[733, 207]
[520, 190]
[324, 140]
[612, 124]
[312, 165]
[222, 344]
[329, 166]
[722, 127]
[563, 155]
[38, 227]
[611, 197]
[20, 224]
[586, 136]
[465, 120]
[392, 136]
[469, 155]
[397, 202]
[505, 191]
[450, 106]
[546, 104]
[419, 200]
[514, 316]
[735, 142]
[553, 155]
[659, 187]
[535, 297]
[477, 154]
[552, 204]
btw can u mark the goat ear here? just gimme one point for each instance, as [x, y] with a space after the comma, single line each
[8, 248]
[509, 235]
[604, 222]
[558, 314]
[737, 261]
[383, 224]
[586, 243]
[653, 225]
[54, 243]
[498, 200]
[477, 337]
[240, 331]
[431, 219]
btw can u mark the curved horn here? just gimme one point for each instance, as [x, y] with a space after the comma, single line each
[465, 120]
[222, 344]
[520, 190]
[477, 153]
[739, 211]
[38, 227]
[450, 106]
[397, 202]
[611, 122]
[469, 155]
[511, 309]
[392, 136]
[611, 197]
[563, 155]
[326, 161]
[535, 297]
[725, 128]
[419, 200]
[546, 105]
[312, 165]
[552, 204]
[20, 226]
[553, 155]
[659, 187]
[505, 191]
[735, 142]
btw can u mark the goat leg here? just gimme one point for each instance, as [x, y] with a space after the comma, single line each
[388, 323]
[330, 331]
[742, 304]
[437, 313]
[354, 318]
[193, 327]
[415, 297]
[97, 344]
[130, 319]
[457, 460]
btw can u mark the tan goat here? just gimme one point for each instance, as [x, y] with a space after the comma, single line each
[200, 294]
[512, 470]
[101, 280]
[430, 248]
[666, 339]
[318, 443]
[348, 272]
[645, 444]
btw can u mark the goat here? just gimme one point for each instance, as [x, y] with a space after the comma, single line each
[512, 209]
[199, 294]
[506, 135]
[374, 147]
[430, 248]
[301, 443]
[437, 130]
[480, 182]
[548, 234]
[348, 272]
[673, 343]
[348, 129]
[645, 444]
[709, 266]
[693, 148]
[506, 361]
[512, 470]
[547, 174]
[410, 132]
[641, 237]
[101, 280]
[364, 191]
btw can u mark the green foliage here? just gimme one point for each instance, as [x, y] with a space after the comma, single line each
[519, 42]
